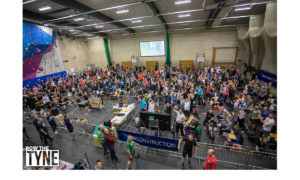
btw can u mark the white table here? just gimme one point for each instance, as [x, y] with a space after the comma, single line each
[126, 110]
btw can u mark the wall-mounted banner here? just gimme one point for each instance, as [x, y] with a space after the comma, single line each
[150, 141]
[267, 77]
[38, 80]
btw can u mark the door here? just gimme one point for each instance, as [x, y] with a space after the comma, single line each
[185, 64]
[151, 65]
[127, 64]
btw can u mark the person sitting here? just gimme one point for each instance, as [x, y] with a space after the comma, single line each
[209, 117]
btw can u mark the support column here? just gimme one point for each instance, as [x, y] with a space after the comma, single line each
[168, 57]
[107, 51]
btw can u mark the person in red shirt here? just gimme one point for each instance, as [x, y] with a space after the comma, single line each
[211, 160]
[194, 67]
[110, 144]
[82, 83]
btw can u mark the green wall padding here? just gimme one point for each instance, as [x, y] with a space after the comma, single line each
[168, 57]
[107, 51]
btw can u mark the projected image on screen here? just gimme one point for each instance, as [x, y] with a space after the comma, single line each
[152, 48]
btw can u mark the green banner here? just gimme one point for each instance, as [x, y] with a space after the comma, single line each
[107, 51]
[168, 57]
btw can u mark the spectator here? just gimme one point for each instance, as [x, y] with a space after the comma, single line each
[211, 160]
[144, 104]
[51, 122]
[241, 118]
[69, 126]
[98, 165]
[100, 138]
[110, 144]
[208, 118]
[44, 131]
[180, 119]
[268, 123]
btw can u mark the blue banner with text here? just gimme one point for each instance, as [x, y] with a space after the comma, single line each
[150, 141]
[267, 77]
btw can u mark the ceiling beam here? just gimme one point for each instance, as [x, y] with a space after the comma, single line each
[57, 11]
[214, 13]
[155, 12]
[82, 8]
[36, 18]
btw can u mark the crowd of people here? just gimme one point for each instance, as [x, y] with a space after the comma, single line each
[238, 103]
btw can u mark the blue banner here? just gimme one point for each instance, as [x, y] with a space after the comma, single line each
[267, 77]
[150, 141]
[33, 81]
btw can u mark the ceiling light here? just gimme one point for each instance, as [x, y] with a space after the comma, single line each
[122, 11]
[78, 19]
[71, 30]
[88, 34]
[46, 24]
[242, 8]
[100, 26]
[136, 21]
[183, 2]
[45, 8]
[185, 24]
[184, 15]
[92, 37]
[30, 1]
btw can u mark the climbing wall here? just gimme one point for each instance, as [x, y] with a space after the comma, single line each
[41, 55]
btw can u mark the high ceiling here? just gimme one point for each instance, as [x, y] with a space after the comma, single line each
[103, 17]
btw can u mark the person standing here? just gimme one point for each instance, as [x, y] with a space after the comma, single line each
[151, 106]
[189, 144]
[268, 123]
[211, 160]
[35, 122]
[44, 131]
[180, 119]
[241, 118]
[143, 104]
[100, 137]
[51, 122]
[110, 143]
[130, 150]
[69, 126]
[187, 106]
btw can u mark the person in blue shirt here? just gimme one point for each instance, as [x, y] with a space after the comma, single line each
[122, 83]
[199, 94]
[208, 76]
[264, 112]
[143, 104]
[167, 99]
[245, 104]
[107, 83]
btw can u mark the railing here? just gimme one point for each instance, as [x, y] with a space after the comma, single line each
[228, 156]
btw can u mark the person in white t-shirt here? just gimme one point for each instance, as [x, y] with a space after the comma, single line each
[187, 106]
[151, 106]
[180, 119]
[268, 123]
